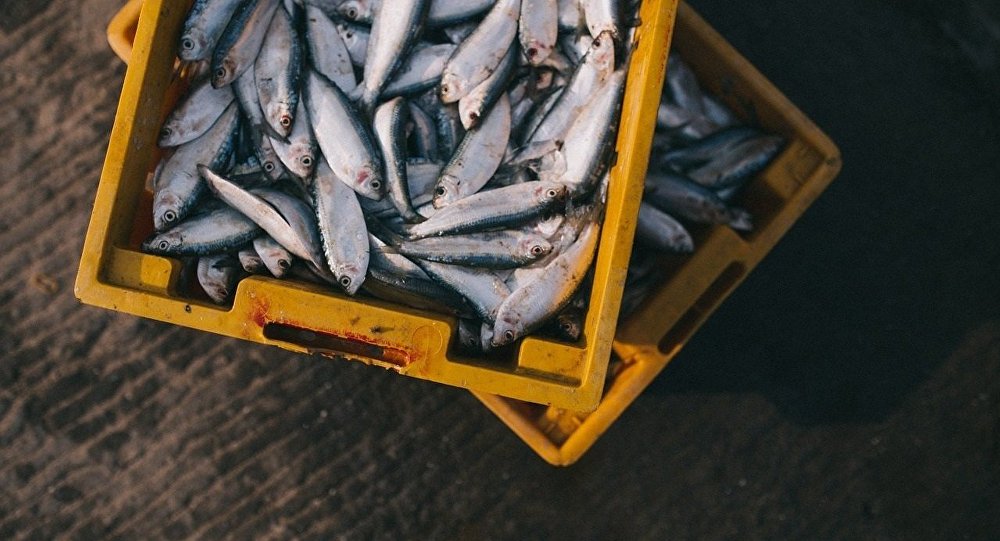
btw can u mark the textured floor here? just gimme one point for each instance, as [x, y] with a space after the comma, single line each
[848, 390]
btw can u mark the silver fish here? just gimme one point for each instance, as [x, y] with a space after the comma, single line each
[203, 27]
[476, 104]
[393, 33]
[389, 121]
[591, 74]
[592, 137]
[477, 157]
[493, 209]
[276, 73]
[538, 29]
[240, 43]
[343, 138]
[684, 198]
[176, 184]
[421, 176]
[358, 11]
[251, 261]
[495, 250]
[484, 290]
[659, 230]
[682, 85]
[245, 88]
[342, 229]
[214, 232]
[329, 54]
[195, 115]
[218, 275]
[298, 154]
[741, 162]
[290, 225]
[529, 306]
[420, 70]
[275, 257]
[480, 54]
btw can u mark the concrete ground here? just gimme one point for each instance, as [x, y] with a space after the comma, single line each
[849, 389]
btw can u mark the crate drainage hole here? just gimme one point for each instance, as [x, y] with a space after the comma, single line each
[333, 345]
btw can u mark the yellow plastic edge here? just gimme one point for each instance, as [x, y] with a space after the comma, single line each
[643, 359]
[570, 376]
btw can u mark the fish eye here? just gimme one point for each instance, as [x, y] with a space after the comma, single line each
[306, 161]
[565, 325]
[345, 281]
[163, 245]
[187, 44]
[285, 121]
[284, 264]
[269, 167]
[349, 34]
[508, 335]
[551, 193]
[169, 216]
[445, 89]
[597, 42]
[220, 73]
[165, 132]
[536, 250]
[474, 116]
[531, 52]
[376, 184]
[440, 191]
[351, 12]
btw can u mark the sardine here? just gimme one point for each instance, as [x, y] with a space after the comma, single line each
[740, 162]
[251, 261]
[277, 72]
[241, 41]
[298, 154]
[424, 134]
[356, 40]
[529, 306]
[495, 250]
[476, 104]
[203, 27]
[176, 184]
[538, 29]
[480, 54]
[218, 231]
[477, 157]
[218, 275]
[481, 287]
[389, 121]
[419, 71]
[494, 209]
[684, 198]
[603, 16]
[245, 88]
[343, 138]
[327, 50]
[342, 229]
[393, 33]
[660, 231]
[195, 115]
[276, 258]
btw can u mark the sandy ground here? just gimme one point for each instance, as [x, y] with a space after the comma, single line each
[848, 390]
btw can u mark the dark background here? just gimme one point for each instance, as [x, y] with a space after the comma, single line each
[849, 389]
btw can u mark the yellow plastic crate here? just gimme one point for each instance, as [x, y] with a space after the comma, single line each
[301, 317]
[694, 286]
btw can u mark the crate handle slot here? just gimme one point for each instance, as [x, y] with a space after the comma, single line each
[702, 308]
[328, 344]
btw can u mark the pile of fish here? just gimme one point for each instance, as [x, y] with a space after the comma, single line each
[701, 159]
[449, 155]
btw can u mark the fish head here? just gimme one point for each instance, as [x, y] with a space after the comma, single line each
[570, 324]
[534, 247]
[452, 87]
[602, 52]
[285, 116]
[163, 243]
[551, 192]
[348, 34]
[167, 210]
[350, 277]
[193, 44]
[166, 135]
[224, 73]
[355, 10]
[303, 162]
[368, 182]
[505, 331]
[536, 51]
[446, 191]
[470, 111]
